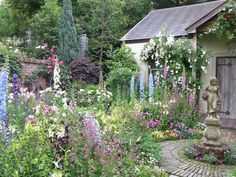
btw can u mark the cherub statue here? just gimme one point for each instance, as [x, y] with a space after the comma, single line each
[213, 97]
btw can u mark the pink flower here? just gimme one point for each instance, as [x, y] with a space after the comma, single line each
[153, 123]
[47, 109]
[60, 62]
[49, 69]
[52, 50]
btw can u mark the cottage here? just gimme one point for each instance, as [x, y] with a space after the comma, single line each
[192, 21]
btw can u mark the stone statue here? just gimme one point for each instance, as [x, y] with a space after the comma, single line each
[213, 97]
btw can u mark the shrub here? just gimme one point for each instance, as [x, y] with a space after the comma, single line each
[28, 155]
[8, 54]
[123, 57]
[184, 112]
[230, 157]
[119, 81]
[189, 150]
[48, 16]
[84, 70]
[210, 158]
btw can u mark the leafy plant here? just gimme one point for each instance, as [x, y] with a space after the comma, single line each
[122, 58]
[230, 157]
[45, 24]
[119, 81]
[225, 26]
[189, 150]
[84, 70]
[210, 158]
[8, 54]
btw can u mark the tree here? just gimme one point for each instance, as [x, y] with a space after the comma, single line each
[7, 28]
[68, 43]
[45, 24]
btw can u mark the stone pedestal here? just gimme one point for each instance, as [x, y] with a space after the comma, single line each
[212, 132]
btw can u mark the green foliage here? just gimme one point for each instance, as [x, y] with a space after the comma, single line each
[27, 7]
[230, 157]
[68, 43]
[232, 173]
[20, 159]
[45, 24]
[185, 112]
[119, 81]
[7, 28]
[8, 55]
[226, 23]
[122, 58]
[104, 22]
[189, 150]
[210, 158]
[150, 151]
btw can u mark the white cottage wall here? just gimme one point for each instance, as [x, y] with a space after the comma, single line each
[136, 48]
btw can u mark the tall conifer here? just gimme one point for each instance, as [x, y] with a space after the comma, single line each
[68, 42]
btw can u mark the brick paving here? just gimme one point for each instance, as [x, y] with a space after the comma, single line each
[177, 165]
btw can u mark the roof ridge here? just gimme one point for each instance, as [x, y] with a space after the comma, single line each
[184, 6]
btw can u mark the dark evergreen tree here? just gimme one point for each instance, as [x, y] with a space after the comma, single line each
[68, 42]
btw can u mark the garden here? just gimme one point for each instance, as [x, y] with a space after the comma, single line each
[98, 115]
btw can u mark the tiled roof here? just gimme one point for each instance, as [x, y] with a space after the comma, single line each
[175, 19]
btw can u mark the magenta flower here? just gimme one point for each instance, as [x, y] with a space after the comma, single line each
[153, 123]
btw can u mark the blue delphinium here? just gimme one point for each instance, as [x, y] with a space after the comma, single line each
[141, 87]
[151, 87]
[3, 107]
[132, 81]
[3, 98]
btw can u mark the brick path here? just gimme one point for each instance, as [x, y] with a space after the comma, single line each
[175, 163]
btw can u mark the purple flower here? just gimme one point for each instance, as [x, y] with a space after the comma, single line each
[165, 72]
[153, 123]
[183, 80]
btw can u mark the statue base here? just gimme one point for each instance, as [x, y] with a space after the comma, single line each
[212, 131]
[218, 151]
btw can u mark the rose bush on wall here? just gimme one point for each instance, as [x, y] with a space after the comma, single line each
[226, 23]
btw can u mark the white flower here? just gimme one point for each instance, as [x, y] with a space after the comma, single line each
[170, 40]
